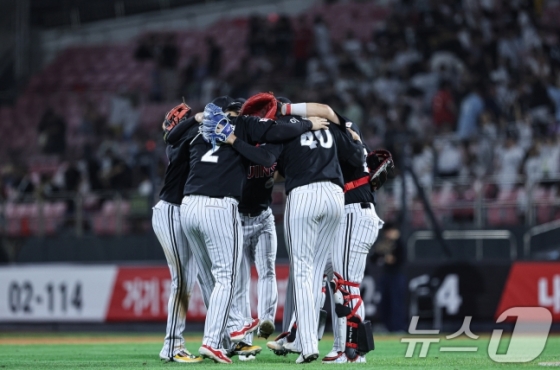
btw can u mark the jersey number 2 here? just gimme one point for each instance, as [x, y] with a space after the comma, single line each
[210, 157]
[307, 139]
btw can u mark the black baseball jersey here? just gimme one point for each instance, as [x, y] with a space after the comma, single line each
[350, 173]
[314, 156]
[222, 171]
[178, 168]
[257, 193]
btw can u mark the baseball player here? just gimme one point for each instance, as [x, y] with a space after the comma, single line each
[358, 231]
[167, 227]
[314, 207]
[209, 212]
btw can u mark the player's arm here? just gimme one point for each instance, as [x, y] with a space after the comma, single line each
[264, 155]
[172, 136]
[311, 110]
[349, 147]
[263, 130]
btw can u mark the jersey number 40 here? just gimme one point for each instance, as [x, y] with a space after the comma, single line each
[310, 139]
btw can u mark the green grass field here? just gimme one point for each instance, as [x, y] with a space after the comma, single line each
[115, 351]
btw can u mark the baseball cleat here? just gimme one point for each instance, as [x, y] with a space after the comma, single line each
[237, 336]
[266, 329]
[277, 345]
[340, 358]
[291, 347]
[246, 358]
[218, 355]
[183, 356]
[305, 359]
[244, 349]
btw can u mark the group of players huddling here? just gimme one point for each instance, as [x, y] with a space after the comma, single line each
[214, 220]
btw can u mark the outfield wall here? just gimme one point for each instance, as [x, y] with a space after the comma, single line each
[113, 293]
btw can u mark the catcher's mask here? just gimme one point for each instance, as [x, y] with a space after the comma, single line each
[176, 115]
[262, 105]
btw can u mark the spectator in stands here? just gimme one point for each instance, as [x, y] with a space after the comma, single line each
[93, 122]
[448, 158]
[353, 111]
[303, 43]
[115, 173]
[283, 41]
[214, 57]
[257, 36]
[444, 109]
[471, 108]
[553, 90]
[423, 163]
[22, 186]
[532, 168]
[52, 133]
[323, 46]
[145, 49]
[509, 157]
[167, 63]
[124, 116]
[191, 79]
[45, 189]
[550, 156]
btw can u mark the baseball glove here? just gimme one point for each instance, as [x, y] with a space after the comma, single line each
[215, 127]
[381, 165]
[176, 115]
[263, 105]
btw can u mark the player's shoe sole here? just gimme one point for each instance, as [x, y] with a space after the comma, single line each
[291, 347]
[214, 354]
[237, 336]
[183, 357]
[341, 358]
[246, 358]
[243, 349]
[266, 329]
[306, 359]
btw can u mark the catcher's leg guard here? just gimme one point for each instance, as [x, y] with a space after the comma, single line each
[322, 313]
[322, 324]
[357, 333]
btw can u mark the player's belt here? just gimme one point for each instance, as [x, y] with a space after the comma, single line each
[356, 183]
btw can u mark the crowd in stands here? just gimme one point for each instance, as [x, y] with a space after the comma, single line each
[469, 89]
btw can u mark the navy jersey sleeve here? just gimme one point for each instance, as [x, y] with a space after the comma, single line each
[286, 128]
[256, 154]
[173, 136]
[253, 128]
[265, 130]
[349, 150]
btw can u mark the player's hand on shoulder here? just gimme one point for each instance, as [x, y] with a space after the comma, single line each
[318, 123]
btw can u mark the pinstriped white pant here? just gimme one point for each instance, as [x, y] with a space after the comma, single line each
[311, 224]
[166, 222]
[213, 230]
[259, 246]
[358, 231]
